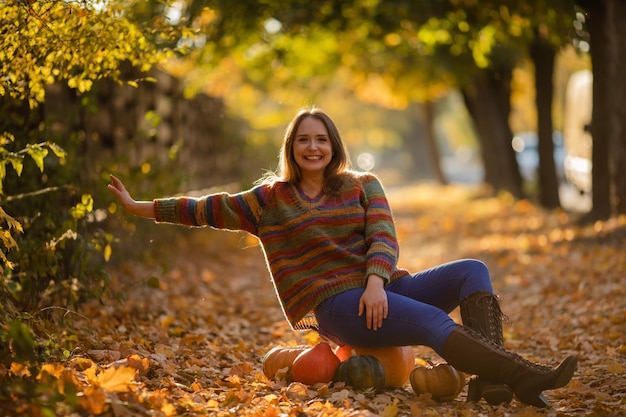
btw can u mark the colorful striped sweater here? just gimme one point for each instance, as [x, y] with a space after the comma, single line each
[314, 248]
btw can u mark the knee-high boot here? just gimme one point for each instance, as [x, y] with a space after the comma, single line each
[470, 352]
[481, 312]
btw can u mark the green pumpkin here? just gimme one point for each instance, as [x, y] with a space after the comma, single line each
[361, 372]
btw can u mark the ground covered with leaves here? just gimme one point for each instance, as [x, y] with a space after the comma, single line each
[190, 333]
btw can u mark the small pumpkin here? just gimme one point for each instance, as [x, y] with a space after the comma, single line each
[361, 372]
[398, 361]
[314, 365]
[280, 357]
[442, 381]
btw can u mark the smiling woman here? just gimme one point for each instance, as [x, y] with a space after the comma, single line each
[312, 152]
[330, 243]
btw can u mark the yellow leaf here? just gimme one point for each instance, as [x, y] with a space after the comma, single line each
[107, 252]
[166, 321]
[19, 369]
[422, 362]
[168, 409]
[112, 379]
[234, 379]
[84, 85]
[50, 369]
[137, 362]
[391, 410]
[93, 400]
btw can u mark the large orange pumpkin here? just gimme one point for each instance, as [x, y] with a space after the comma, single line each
[280, 357]
[314, 365]
[442, 381]
[397, 361]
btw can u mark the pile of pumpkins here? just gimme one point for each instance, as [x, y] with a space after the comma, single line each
[363, 368]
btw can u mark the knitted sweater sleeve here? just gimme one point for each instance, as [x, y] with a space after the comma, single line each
[240, 211]
[380, 233]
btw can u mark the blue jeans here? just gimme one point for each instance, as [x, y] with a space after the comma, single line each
[418, 308]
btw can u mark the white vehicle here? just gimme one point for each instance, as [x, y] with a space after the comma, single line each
[525, 145]
[576, 137]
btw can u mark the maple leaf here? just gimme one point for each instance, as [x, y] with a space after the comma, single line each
[112, 379]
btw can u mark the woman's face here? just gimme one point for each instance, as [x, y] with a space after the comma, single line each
[312, 149]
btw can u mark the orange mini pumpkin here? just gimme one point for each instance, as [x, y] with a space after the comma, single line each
[397, 361]
[442, 381]
[280, 357]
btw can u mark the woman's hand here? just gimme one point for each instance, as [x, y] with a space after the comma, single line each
[138, 208]
[373, 302]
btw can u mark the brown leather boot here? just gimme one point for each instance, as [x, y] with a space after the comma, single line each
[481, 311]
[470, 352]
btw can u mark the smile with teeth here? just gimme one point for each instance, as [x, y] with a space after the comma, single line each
[314, 157]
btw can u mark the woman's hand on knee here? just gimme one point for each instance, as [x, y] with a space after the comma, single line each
[373, 302]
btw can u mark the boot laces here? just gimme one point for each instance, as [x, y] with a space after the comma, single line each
[494, 317]
[513, 356]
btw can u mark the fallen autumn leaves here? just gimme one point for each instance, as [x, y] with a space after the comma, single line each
[193, 346]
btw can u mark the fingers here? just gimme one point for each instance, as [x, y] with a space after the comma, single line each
[374, 316]
[375, 305]
[114, 190]
[377, 320]
[118, 189]
[116, 183]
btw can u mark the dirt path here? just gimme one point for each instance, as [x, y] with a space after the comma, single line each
[197, 339]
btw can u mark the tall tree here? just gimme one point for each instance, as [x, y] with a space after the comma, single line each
[608, 54]
[543, 55]
[617, 59]
[460, 44]
[550, 29]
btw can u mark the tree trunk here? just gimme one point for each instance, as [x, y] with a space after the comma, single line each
[488, 103]
[414, 146]
[616, 48]
[600, 128]
[542, 54]
[431, 141]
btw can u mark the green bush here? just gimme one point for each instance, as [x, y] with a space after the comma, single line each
[52, 249]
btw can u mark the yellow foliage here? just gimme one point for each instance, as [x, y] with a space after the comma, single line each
[52, 41]
[6, 235]
[46, 42]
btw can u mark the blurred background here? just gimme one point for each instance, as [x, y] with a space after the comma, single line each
[517, 97]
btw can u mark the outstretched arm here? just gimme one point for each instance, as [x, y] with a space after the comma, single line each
[137, 208]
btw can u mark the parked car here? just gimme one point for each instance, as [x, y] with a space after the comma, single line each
[525, 145]
[577, 139]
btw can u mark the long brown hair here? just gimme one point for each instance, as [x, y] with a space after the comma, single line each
[288, 169]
